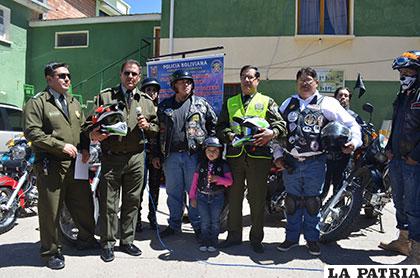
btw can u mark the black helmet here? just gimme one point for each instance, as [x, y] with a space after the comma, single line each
[212, 142]
[334, 135]
[150, 81]
[180, 75]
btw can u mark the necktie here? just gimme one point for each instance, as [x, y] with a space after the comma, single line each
[128, 95]
[64, 105]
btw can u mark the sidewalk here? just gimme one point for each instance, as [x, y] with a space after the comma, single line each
[19, 253]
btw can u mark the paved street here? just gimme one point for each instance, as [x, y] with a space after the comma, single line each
[19, 253]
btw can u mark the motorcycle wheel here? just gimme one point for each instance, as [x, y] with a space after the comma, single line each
[336, 220]
[67, 227]
[7, 218]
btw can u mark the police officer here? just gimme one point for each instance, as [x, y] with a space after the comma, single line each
[306, 113]
[52, 123]
[251, 163]
[151, 87]
[403, 149]
[123, 162]
[185, 120]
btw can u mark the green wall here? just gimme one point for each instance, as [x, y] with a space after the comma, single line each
[379, 93]
[229, 18]
[242, 18]
[13, 56]
[108, 42]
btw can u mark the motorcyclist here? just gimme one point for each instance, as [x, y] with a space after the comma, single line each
[403, 150]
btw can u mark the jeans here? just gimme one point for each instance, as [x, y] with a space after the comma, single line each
[179, 169]
[209, 207]
[306, 179]
[405, 183]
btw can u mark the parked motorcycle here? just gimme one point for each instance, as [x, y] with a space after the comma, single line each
[67, 227]
[366, 185]
[17, 182]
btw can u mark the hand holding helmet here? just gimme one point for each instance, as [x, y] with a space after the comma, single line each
[254, 131]
[335, 137]
[108, 120]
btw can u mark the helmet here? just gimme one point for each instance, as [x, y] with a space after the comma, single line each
[212, 142]
[110, 119]
[334, 135]
[409, 59]
[150, 81]
[180, 75]
[249, 126]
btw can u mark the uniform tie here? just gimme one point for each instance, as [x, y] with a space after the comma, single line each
[129, 94]
[64, 105]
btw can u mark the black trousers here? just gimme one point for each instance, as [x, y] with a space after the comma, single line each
[154, 178]
[335, 174]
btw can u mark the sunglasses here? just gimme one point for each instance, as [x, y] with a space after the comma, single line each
[64, 75]
[127, 73]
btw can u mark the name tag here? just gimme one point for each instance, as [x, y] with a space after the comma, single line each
[54, 113]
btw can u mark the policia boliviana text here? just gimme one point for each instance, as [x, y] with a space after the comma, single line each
[52, 123]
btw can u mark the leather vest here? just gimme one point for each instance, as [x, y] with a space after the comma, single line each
[304, 127]
[215, 168]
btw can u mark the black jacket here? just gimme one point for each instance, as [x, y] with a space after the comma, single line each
[409, 136]
[202, 129]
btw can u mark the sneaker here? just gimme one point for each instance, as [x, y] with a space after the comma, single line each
[203, 248]
[314, 248]
[211, 249]
[287, 245]
[167, 232]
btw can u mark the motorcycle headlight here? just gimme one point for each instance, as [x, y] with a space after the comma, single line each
[18, 152]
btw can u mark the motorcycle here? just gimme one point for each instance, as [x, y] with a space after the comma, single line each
[17, 182]
[366, 185]
[67, 227]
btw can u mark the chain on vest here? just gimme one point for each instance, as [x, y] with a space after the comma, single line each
[214, 168]
[304, 127]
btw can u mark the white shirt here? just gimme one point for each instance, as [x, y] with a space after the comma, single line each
[332, 111]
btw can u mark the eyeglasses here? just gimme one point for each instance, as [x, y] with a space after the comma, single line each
[248, 77]
[64, 75]
[133, 74]
[307, 82]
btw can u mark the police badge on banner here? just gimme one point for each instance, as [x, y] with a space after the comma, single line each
[207, 72]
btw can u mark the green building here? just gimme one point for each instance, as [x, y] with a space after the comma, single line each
[281, 36]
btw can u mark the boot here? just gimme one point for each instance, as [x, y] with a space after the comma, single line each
[415, 252]
[401, 245]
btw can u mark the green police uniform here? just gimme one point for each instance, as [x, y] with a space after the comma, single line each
[249, 162]
[123, 167]
[49, 129]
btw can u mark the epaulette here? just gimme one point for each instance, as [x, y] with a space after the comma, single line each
[38, 94]
[106, 90]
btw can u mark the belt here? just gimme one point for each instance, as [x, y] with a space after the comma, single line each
[303, 158]
[123, 153]
[211, 192]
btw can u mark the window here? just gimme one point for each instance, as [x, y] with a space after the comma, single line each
[324, 17]
[4, 23]
[72, 39]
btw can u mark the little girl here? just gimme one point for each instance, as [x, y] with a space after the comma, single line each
[207, 192]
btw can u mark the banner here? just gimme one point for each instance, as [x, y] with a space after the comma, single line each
[330, 80]
[207, 72]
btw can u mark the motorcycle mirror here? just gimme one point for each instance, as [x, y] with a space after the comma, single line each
[367, 107]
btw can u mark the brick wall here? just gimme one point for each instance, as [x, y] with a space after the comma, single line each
[71, 8]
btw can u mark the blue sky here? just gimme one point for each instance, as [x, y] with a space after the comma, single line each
[144, 6]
